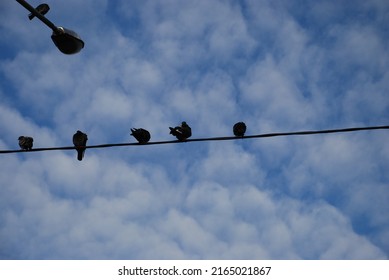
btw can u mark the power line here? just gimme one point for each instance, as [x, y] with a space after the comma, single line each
[266, 135]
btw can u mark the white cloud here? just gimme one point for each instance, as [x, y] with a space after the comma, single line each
[154, 64]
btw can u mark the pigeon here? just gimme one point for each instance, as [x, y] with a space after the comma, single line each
[42, 9]
[182, 132]
[25, 142]
[239, 129]
[140, 134]
[79, 141]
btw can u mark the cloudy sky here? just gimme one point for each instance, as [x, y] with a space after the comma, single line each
[277, 65]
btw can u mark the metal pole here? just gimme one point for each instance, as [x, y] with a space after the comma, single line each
[38, 15]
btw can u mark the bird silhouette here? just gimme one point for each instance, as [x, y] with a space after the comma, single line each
[79, 141]
[25, 142]
[182, 132]
[42, 9]
[140, 134]
[239, 129]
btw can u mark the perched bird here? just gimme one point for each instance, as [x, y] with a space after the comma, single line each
[239, 129]
[182, 132]
[140, 134]
[25, 142]
[42, 9]
[79, 141]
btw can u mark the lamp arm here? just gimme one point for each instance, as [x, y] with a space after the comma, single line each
[38, 15]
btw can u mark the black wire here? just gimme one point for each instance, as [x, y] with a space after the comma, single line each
[267, 135]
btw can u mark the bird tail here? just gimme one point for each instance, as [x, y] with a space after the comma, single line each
[173, 131]
[80, 154]
[31, 16]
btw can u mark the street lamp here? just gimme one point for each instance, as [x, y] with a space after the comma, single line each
[67, 41]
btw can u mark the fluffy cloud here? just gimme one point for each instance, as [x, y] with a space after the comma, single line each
[153, 64]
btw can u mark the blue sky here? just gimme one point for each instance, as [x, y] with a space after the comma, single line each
[276, 65]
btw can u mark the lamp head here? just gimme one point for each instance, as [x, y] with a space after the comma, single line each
[67, 41]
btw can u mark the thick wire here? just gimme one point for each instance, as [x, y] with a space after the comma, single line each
[266, 135]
